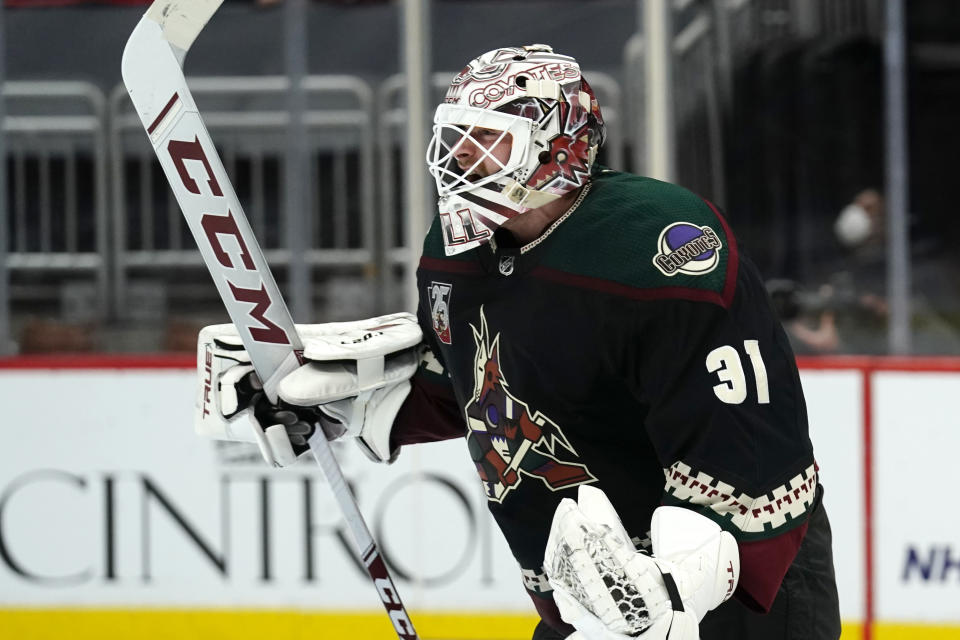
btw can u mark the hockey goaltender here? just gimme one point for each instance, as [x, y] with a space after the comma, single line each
[610, 358]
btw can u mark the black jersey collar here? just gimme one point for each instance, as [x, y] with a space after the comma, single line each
[504, 256]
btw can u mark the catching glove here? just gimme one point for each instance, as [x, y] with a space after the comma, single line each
[608, 590]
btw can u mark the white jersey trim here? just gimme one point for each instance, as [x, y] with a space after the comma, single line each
[773, 510]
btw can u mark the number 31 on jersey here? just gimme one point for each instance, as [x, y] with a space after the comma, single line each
[725, 362]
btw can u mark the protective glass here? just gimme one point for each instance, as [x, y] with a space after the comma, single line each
[455, 126]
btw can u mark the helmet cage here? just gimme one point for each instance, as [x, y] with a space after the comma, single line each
[454, 126]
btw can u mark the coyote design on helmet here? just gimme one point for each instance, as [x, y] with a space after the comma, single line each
[507, 440]
[539, 103]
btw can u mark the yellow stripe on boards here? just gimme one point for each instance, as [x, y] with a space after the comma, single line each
[900, 631]
[179, 624]
[229, 624]
[475, 626]
[889, 631]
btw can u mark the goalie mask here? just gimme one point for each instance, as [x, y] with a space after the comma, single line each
[518, 128]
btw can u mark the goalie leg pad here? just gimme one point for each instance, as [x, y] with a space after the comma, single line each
[704, 559]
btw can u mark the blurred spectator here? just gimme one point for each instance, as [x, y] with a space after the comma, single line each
[856, 289]
[811, 327]
[848, 312]
[861, 222]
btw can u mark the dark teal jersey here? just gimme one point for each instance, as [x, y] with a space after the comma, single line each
[630, 347]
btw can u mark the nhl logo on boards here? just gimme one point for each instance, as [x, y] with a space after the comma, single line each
[439, 295]
[687, 248]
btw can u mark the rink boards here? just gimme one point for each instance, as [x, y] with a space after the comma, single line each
[114, 517]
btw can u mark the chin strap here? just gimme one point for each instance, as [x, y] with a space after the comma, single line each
[527, 198]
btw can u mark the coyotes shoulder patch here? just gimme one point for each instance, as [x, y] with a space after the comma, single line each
[684, 247]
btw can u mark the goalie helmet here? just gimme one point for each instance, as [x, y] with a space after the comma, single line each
[535, 108]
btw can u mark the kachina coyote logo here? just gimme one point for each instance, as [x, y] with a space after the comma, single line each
[507, 440]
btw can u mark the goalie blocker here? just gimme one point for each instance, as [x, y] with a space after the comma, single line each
[355, 377]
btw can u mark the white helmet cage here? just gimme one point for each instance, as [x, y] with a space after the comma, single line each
[529, 98]
[457, 126]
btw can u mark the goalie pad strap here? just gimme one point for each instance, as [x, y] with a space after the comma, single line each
[675, 600]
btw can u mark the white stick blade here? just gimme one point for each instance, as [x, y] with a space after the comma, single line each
[182, 20]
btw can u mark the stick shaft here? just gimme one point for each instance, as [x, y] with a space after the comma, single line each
[364, 544]
[153, 75]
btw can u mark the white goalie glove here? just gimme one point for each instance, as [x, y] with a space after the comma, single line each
[355, 378]
[608, 590]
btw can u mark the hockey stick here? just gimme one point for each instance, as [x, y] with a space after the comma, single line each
[153, 74]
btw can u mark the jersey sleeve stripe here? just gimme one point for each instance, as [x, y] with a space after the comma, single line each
[780, 509]
[450, 266]
[733, 257]
[626, 291]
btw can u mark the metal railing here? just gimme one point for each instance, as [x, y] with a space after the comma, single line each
[711, 39]
[56, 158]
[247, 119]
[698, 108]
[87, 194]
[697, 104]
[756, 23]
